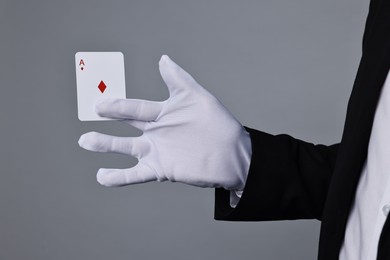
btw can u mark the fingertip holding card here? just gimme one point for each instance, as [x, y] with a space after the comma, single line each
[99, 76]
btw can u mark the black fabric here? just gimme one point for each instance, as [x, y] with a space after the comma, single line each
[293, 174]
[293, 179]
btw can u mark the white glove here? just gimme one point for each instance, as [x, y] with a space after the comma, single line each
[189, 138]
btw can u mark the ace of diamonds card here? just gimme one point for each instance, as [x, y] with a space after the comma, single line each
[99, 75]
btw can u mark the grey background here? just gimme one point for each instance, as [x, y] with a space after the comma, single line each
[284, 66]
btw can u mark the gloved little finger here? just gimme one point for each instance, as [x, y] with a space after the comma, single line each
[120, 177]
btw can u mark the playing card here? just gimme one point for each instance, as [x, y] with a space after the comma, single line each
[99, 75]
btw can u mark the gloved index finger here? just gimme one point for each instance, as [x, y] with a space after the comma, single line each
[137, 109]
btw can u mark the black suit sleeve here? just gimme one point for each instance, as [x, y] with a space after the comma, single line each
[288, 179]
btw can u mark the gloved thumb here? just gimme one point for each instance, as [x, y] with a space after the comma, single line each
[175, 77]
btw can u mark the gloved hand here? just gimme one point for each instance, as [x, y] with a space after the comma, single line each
[189, 138]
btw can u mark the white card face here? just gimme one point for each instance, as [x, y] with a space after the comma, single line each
[99, 75]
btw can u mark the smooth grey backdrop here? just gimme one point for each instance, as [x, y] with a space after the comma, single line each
[284, 66]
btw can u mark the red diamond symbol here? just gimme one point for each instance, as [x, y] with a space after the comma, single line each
[102, 86]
